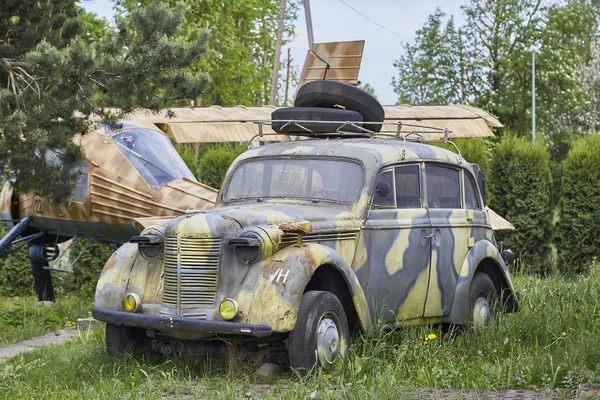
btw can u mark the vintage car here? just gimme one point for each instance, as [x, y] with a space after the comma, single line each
[309, 242]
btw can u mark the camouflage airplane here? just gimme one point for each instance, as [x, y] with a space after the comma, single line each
[128, 173]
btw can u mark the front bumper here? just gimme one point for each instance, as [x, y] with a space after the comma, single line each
[180, 324]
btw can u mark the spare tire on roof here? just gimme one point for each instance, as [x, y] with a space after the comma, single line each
[315, 114]
[332, 93]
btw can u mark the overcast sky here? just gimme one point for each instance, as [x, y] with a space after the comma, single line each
[335, 21]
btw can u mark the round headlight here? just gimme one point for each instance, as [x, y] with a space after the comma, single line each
[252, 249]
[131, 302]
[150, 243]
[228, 309]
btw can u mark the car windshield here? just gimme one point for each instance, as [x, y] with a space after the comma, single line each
[153, 156]
[300, 178]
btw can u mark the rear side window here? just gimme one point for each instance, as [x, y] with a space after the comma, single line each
[471, 195]
[443, 187]
[384, 190]
[408, 191]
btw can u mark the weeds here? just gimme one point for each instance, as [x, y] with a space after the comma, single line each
[23, 318]
[550, 343]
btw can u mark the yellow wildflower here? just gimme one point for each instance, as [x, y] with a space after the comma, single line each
[425, 342]
[431, 336]
[564, 334]
[329, 376]
[495, 351]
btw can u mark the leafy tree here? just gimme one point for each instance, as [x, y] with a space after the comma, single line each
[433, 70]
[51, 91]
[368, 88]
[488, 63]
[241, 45]
[591, 84]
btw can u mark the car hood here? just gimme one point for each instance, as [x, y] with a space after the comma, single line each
[320, 218]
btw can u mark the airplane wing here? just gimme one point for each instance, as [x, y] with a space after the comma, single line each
[142, 223]
[499, 223]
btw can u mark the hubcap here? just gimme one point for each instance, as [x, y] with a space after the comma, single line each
[481, 312]
[328, 342]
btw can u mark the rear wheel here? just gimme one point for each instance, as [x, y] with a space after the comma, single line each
[482, 300]
[321, 335]
[122, 339]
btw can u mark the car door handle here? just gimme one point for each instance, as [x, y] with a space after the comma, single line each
[429, 236]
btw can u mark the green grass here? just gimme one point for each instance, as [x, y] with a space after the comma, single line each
[23, 319]
[551, 343]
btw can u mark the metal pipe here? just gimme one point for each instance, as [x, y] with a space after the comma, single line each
[275, 76]
[309, 28]
[14, 233]
[533, 97]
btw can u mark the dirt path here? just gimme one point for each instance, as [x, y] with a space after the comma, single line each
[58, 337]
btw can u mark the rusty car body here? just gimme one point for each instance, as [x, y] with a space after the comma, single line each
[395, 230]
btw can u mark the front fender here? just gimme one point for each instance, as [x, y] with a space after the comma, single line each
[482, 250]
[127, 272]
[276, 298]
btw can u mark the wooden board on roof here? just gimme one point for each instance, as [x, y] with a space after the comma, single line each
[235, 124]
[335, 61]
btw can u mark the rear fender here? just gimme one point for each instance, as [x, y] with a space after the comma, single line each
[482, 250]
[276, 298]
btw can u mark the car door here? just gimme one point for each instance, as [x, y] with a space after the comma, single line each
[398, 248]
[451, 232]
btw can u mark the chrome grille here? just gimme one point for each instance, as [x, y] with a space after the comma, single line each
[194, 283]
[291, 238]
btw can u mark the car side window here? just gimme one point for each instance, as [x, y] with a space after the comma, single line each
[443, 187]
[408, 188]
[471, 195]
[384, 190]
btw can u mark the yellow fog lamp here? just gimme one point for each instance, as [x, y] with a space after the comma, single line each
[131, 302]
[228, 309]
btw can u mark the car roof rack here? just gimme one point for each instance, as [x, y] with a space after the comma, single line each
[395, 130]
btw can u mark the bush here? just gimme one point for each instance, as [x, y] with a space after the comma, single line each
[578, 236]
[83, 276]
[519, 188]
[16, 278]
[474, 150]
[215, 162]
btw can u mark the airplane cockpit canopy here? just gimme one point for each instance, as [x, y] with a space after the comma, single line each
[152, 155]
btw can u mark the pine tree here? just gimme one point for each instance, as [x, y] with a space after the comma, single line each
[50, 92]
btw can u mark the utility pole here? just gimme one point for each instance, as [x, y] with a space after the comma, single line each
[280, 27]
[287, 77]
[533, 49]
[309, 30]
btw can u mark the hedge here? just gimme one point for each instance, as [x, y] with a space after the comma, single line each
[578, 232]
[519, 189]
[215, 162]
[474, 150]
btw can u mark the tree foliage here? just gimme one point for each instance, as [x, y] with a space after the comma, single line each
[519, 189]
[51, 91]
[488, 63]
[215, 162]
[241, 51]
[578, 236]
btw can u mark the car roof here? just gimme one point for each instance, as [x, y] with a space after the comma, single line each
[373, 153]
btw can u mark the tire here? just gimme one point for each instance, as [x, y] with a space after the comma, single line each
[482, 300]
[307, 347]
[315, 114]
[121, 340]
[331, 93]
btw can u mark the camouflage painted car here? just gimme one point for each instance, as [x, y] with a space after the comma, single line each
[309, 242]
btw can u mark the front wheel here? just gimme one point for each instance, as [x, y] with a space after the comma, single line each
[482, 300]
[122, 339]
[321, 335]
